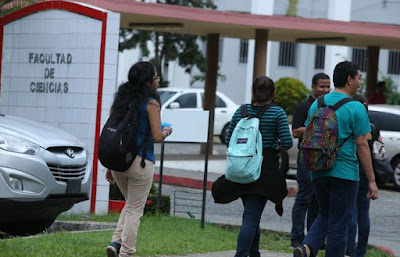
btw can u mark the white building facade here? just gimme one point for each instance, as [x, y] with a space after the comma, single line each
[285, 59]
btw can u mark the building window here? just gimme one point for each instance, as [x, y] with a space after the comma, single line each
[220, 49]
[319, 62]
[287, 54]
[360, 57]
[244, 50]
[394, 62]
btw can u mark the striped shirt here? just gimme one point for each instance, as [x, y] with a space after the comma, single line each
[274, 126]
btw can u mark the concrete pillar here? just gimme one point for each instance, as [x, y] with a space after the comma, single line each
[260, 53]
[263, 7]
[372, 69]
[339, 10]
[211, 81]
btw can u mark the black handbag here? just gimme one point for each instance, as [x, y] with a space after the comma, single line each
[380, 162]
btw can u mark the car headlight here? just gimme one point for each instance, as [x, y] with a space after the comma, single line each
[17, 145]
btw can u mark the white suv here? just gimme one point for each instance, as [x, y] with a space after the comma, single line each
[43, 171]
[175, 98]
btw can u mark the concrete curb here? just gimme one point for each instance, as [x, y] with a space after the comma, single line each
[81, 226]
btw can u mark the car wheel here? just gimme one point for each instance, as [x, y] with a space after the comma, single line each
[223, 133]
[396, 173]
[284, 163]
[26, 228]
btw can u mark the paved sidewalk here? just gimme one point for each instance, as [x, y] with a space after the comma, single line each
[188, 171]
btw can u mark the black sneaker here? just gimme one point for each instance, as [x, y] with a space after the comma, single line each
[300, 252]
[113, 249]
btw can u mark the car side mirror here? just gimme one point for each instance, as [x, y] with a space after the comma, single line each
[174, 105]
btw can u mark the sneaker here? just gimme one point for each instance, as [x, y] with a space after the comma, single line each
[300, 251]
[113, 249]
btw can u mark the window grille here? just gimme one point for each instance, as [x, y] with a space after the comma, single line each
[244, 50]
[319, 62]
[287, 54]
[394, 62]
[360, 57]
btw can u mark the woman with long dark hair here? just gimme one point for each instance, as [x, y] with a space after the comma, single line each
[271, 184]
[135, 183]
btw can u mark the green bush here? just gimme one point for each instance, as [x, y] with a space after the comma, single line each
[391, 93]
[151, 203]
[289, 93]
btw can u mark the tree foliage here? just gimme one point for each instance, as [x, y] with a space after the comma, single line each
[289, 93]
[391, 93]
[9, 6]
[292, 8]
[168, 46]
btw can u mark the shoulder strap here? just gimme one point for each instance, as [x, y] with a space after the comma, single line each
[321, 101]
[243, 110]
[341, 102]
[262, 110]
[337, 106]
[374, 132]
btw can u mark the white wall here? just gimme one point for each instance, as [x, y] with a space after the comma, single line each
[60, 93]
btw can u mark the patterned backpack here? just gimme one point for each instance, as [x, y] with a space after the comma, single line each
[244, 154]
[319, 146]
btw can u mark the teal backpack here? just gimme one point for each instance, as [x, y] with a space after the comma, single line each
[244, 154]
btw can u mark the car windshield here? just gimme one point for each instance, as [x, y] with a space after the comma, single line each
[165, 95]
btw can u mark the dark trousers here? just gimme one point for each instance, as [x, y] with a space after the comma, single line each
[361, 218]
[336, 199]
[249, 234]
[305, 204]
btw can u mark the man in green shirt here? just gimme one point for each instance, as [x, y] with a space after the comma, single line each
[336, 189]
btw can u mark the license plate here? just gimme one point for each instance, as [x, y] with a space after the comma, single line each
[74, 186]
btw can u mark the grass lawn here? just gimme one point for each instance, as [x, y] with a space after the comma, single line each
[157, 235]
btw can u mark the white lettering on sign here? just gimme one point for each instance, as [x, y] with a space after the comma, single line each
[55, 87]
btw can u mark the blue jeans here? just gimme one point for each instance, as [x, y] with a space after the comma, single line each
[249, 234]
[305, 203]
[336, 198]
[361, 218]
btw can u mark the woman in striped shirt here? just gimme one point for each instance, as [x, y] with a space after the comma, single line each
[271, 185]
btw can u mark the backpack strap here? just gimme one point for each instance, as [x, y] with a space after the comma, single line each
[341, 102]
[262, 110]
[344, 141]
[374, 132]
[144, 143]
[243, 110]
[145, 139]
[337, 106]
[321, 102]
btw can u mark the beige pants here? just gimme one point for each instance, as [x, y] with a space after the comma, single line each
[135, 184]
